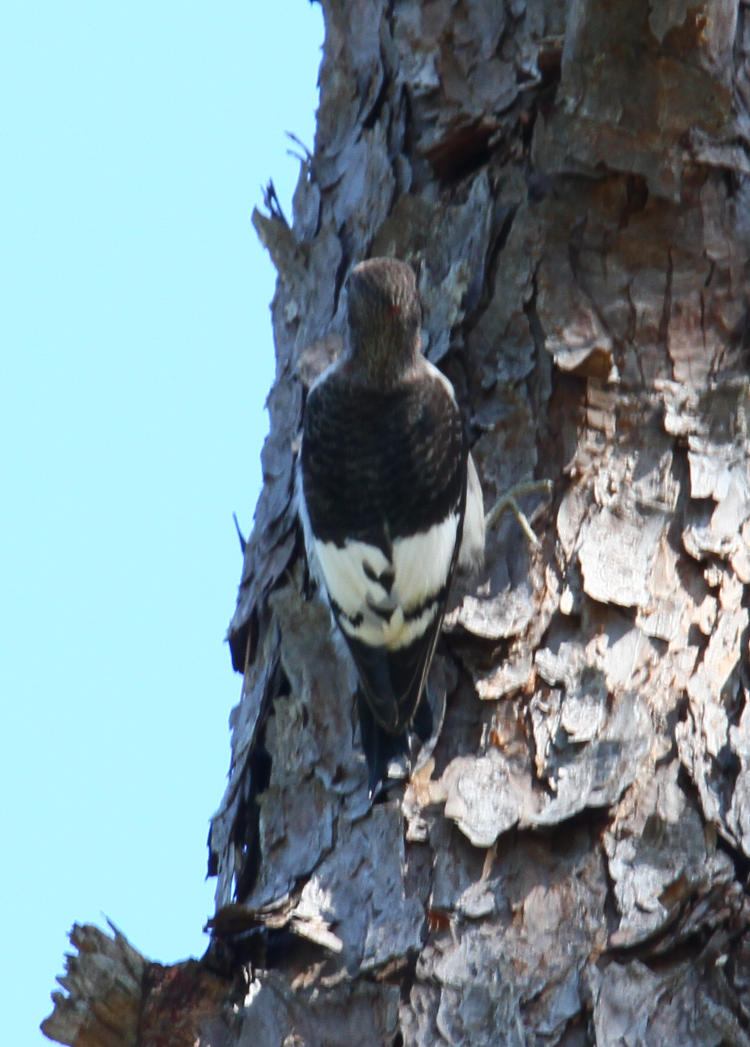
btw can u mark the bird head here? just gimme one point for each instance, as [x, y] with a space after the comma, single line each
[384, 319]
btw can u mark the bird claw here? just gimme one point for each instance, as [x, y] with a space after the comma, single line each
[508, 501]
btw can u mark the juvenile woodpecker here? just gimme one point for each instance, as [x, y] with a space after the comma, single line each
[390, 503]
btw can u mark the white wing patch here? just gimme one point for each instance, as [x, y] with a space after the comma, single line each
[422, 562]
[384, 603]
[350, 574]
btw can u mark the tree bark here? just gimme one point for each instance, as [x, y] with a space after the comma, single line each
[570, 867]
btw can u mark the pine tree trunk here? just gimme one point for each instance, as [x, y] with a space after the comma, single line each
[571, 182]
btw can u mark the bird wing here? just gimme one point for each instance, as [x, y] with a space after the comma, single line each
[383, 501]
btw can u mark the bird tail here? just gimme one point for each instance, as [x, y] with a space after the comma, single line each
[379, 746]
[392, 681]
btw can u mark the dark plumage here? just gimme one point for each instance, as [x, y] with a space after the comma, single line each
[384, 475]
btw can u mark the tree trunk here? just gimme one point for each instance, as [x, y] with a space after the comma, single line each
[571, 182]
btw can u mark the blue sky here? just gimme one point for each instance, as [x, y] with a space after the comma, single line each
[137, 354]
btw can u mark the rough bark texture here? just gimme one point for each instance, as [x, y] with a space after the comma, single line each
[570, 867]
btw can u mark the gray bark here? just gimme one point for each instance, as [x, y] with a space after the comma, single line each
[571, 181]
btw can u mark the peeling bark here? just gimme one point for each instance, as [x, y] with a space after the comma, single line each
[571, 182]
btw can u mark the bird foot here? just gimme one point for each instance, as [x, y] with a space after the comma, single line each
[508, 501]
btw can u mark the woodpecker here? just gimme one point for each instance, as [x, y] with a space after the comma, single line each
[390, 504]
